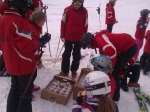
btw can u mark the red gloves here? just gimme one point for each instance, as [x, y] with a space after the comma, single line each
[132, 61]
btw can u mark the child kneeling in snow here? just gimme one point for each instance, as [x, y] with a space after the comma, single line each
[96, 98]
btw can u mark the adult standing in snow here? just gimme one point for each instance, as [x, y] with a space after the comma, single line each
[74, 24]
[140, 30]
[3, 6]
[145, 58]
[110, 15]
[18, 47]
[120, 48]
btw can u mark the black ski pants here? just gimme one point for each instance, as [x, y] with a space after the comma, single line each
[122, 60]
[145, 62]
[65, 65]
[133, 72]
[109, 27]
[15, 101]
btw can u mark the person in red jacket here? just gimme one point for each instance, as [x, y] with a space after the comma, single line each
[110, 15]
[120, 48]
[3, 72]
[3, 6]
[145, 58]
[140, 29]
[36, 21]
[18, 47]
[74, 24]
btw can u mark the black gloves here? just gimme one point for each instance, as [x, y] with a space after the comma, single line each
[45, 39]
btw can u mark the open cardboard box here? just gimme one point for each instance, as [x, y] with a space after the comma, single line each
[56, 97]
[79, 87]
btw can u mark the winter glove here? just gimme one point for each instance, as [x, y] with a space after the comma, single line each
[132, 62]
[121, 74]
[44, 39]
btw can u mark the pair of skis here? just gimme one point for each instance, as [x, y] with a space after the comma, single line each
[142, 98]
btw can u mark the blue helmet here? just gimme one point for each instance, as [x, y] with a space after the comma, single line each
[102, 63]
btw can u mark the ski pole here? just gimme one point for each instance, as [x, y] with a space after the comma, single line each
[98, 10]
[57, 49]
[58, 55]
[30, 79]
[46, 7]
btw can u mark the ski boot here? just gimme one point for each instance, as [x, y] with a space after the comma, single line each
[36, 88]
[145, 73]
[74, 74]
[33, 97]
[130, 84]
[63, 74]
[125, 88]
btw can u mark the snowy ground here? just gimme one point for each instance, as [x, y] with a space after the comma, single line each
[127, 14]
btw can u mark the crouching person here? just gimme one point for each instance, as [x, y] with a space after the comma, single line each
[96, 97]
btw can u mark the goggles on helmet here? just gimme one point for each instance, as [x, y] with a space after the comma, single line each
[78, 1]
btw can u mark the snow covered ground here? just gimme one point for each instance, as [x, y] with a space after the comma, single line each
[127, 14]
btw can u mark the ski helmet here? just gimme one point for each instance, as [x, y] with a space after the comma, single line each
[86, 39]
[102, 63]
[112, 1]
[21, 5]
[144, 12]
[97, 83]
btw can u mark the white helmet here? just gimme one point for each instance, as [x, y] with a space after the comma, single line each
[97, 83]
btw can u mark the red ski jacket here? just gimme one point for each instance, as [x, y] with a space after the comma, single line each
[147, 44]
[17, 44]
[112, 44]
[141, 28]
[3, 6]
[110, 14]
[74, 23]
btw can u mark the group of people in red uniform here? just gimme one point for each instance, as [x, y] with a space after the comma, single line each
[21, 23]
[20, 40]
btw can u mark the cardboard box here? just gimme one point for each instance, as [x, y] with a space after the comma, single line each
[78, 86]
[56, 97]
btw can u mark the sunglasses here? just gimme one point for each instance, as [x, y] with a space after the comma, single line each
[78, 1]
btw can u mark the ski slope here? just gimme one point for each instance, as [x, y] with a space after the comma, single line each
[127, 14]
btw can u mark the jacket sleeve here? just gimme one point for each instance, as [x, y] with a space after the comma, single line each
[111, 14]
[85, 28]
[24, 41]
[141, 24]
[107, 48]
[63, 24]
[147, 35]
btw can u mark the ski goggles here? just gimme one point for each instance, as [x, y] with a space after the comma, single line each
[78, 1]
